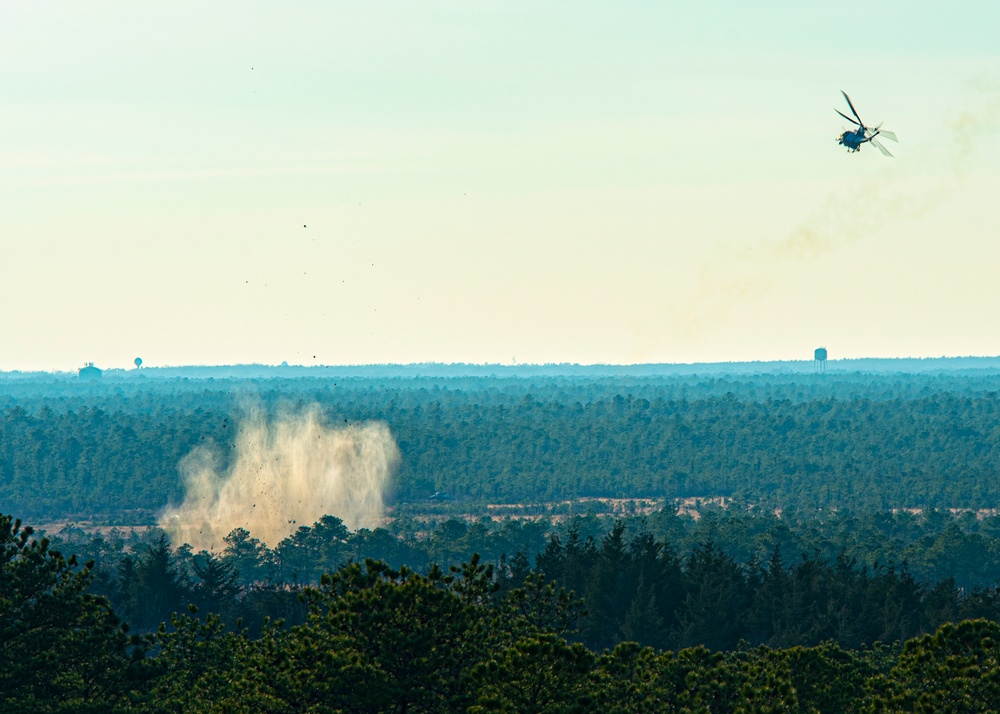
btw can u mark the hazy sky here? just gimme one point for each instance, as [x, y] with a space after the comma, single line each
[337, 183]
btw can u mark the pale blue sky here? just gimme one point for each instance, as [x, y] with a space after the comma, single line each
[482, 182]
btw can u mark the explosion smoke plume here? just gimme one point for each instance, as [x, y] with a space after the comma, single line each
[288, 472]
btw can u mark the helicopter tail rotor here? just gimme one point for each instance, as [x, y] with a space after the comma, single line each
[877, 145]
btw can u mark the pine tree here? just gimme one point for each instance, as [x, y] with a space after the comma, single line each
[61, 649]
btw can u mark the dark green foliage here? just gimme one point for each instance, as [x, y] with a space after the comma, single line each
[216, 585]
[150, 587]
[541, 674]
[403, 636]
[665, 592]
[634, 679]
[61, 648]
[311, 551]
[636, 589]
[957, 669]
[713, 584]
[825, 679]
[250, 559]
[196, 668]
[377, 639]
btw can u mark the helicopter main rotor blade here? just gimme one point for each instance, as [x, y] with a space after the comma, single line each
[888, 135]
[853, 110]
[881, 148]
[846, 117]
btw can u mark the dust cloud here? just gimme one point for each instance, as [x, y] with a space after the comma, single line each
[284, 472]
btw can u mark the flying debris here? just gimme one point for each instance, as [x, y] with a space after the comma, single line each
[855, 138]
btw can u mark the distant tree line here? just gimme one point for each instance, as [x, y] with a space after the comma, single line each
[777, 441]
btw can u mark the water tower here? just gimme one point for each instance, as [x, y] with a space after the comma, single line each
[819, 357]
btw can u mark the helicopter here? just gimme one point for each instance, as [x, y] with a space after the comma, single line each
[854, 139]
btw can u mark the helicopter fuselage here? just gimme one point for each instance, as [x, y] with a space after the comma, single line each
[853, 139]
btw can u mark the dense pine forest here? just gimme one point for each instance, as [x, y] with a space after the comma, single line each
[845, 558]
[111, 450]
[653, 632]
[667, 581]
